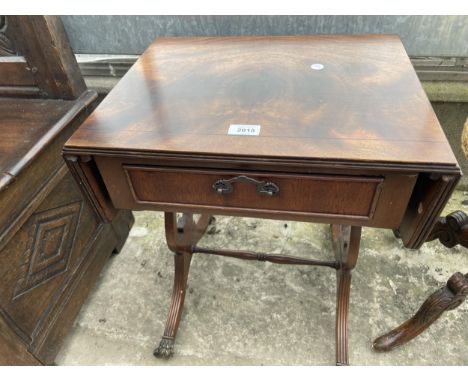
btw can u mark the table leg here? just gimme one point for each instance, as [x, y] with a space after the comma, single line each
[182, 264]
[450, 230]
[345, 241]
[181, 236]
[446, 298]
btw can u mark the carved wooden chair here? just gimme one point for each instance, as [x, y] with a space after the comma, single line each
[52, 245]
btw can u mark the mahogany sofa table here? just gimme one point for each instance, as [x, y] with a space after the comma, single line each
[324, 129]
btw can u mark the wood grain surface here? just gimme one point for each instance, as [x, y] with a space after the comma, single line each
[181, 96]
[27, 127]
[350, 196]
[24, 121]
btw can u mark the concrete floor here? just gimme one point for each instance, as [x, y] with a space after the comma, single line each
[253, 313]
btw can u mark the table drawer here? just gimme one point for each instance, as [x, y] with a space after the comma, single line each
[350, 196]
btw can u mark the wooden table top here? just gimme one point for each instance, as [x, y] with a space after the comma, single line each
[365, 103]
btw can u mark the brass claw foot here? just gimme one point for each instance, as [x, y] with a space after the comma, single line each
[165, 348]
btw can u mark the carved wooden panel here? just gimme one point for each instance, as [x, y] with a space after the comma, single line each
[43, 257]
[50, 241]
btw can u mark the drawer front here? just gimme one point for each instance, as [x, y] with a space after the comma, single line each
[351, 196]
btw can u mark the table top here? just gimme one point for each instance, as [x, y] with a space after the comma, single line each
[337, 98]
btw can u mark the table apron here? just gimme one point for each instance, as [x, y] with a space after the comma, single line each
[365, 200]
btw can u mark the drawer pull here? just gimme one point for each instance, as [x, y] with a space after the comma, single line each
[224, 186]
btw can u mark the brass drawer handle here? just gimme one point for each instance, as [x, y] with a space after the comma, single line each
[224, 186]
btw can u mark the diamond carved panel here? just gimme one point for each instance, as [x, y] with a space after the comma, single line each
[48, 251]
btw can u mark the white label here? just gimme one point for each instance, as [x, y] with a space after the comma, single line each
[317, 66]
[244, 130]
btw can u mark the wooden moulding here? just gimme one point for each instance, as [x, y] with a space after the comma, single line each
[45, 140]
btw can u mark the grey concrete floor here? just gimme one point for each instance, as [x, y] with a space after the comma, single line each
[253, 313]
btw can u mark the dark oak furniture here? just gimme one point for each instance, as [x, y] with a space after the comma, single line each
[324, 129]
[52, 243]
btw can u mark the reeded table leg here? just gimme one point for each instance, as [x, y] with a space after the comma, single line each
[182, 264]
[345, 240]
[181, 237]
